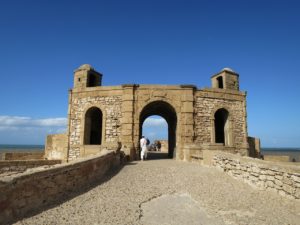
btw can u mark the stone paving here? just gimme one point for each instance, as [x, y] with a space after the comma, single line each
[170, 192]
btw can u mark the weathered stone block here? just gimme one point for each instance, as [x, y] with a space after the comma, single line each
[278, 182]
[282, 193]
[255, 169]
[127, 97]
[269, 183]
[287, 180]
[187, 107]
[288, 188]
[270, 178]
[297, 193]
[187, 98]
[296, 178]
[263, 177]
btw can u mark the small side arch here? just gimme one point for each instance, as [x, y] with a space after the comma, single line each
[221, 126]
[92, 124]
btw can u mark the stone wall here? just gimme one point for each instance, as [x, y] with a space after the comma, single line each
[283, 179]
[111, 110]
[254, 147]
[13, 166]
[277, 158]
[164, 145]
[28, 192]
[206, 106]
[56, 147]
[22, 155]
[188, 110]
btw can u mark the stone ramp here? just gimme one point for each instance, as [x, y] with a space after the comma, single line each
[172, 192]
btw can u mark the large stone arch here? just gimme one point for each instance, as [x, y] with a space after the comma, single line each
[167, 111]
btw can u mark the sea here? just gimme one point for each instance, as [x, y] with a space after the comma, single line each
[21, 148]
[294, 153]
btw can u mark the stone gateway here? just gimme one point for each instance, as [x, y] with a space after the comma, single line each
[199, 120]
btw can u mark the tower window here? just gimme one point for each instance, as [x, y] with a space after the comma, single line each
[220, 82]
[92, 80]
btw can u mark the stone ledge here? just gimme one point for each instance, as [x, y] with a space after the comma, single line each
[287, 166]
[22, 165]
[281, 178]
[22, 194]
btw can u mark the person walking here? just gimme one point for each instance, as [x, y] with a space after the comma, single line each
[143, 145]
[157, 146]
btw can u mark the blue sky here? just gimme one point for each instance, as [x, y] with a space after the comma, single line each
[148, 42]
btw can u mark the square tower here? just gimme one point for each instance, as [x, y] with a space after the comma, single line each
[85, 76]
[226, 79]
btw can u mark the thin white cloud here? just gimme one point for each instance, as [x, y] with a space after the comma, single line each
[154, 122]
[13, 120]
[10, 122]
[21, 130]
[51, 122]
[8, 128]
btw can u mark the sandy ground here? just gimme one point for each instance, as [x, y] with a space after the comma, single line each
[142, 193]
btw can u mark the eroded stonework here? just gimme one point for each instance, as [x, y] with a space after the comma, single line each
[205, 109]
[110, 105]
[198, 119]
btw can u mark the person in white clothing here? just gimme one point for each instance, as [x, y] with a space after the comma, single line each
[143, 145]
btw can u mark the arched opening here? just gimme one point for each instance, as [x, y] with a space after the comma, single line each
[220, 82]
[93, 127]
[221, 126]
[167, 112]
[155, 128]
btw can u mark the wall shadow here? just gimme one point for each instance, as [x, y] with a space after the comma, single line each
[72, 194]
[157, 155]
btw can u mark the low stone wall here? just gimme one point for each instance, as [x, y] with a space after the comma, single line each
[37, 188]
[277, 158]
[254, 147]
[9, 166]
[56, 147]
[22, 155]
[281, 178]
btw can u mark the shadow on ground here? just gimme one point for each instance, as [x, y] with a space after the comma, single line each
[70, 195]
[157, 155]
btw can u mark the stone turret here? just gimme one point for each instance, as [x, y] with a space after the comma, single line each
[85, 76]
[226, 79]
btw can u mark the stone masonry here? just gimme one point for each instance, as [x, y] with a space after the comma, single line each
[280, 178]
[30, 192]
[111, 106]
[102, 117]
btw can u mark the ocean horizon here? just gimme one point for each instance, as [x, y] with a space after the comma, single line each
[25, 147]
[293, 153]
[21, 148]
[279, 149]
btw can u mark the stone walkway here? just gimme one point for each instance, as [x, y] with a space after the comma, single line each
[172, 192]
